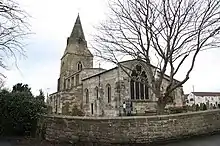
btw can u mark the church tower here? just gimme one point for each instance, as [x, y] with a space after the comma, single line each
[76, 55]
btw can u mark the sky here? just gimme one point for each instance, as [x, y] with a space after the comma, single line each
[52, 22]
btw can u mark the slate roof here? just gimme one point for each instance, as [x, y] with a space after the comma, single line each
[206, 93]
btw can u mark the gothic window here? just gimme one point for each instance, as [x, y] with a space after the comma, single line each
[108, 88]
[68, 83]
[92, 108]
[146, 91]
[138, 84]
[87, 95]
[142, 90]
[79, 66]
[58, 85]
[77, 79]
[72, 81]
[132, 88]
[96, 92]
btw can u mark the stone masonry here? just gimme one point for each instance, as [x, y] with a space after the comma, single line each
[141, 129]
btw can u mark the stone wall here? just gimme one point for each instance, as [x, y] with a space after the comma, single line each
[101, 103]
[140, 129]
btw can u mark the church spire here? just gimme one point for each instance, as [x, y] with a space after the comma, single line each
[77, 32]
[76, 41]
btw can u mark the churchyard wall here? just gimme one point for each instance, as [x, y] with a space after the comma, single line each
[137, 129]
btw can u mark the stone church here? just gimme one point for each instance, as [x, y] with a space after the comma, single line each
[100, 92]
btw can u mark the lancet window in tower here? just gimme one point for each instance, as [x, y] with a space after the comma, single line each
[79, 66]
[138, 84]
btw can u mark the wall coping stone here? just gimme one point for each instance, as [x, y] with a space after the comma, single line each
[134, 117]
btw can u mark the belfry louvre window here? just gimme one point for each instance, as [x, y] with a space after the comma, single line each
[79, 66]
[138, 84]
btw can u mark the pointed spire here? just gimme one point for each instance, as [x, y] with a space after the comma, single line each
[77, 32]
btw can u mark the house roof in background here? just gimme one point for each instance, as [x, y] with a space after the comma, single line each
[206, 93]
[186, 95]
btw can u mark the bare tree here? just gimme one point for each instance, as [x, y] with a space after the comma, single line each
[170, 31]
[13, 29]
[2, 84]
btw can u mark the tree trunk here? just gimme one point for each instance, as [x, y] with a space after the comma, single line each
[161, 106]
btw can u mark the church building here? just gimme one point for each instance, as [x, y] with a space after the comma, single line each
[100, 92]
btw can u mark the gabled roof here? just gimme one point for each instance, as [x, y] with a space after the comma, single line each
[165, 76]
[206, 93]
[98, 74]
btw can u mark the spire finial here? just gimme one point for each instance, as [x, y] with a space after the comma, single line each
[78, 9]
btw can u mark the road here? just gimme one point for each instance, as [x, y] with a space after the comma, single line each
[213, 140]
[203, 141]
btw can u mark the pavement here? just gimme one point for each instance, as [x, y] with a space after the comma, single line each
[213, 140]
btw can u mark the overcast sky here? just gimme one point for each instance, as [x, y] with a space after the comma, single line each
[52, 23]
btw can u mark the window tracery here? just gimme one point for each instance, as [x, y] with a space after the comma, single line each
[138, 84]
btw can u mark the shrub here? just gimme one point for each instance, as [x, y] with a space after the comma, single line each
[204, 107]
[20, 111]
[174, 110]
[197, 107]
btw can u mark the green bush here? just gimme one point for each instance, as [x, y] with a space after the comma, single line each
[204, 107]
[20, 111]
[197, 107]
[175, 110]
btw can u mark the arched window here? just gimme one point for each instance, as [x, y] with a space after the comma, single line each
[96, 92]
[64, 84]
[77, 79]
[138, 84]
[87, 95]
[132, 88]
[79, 66]
[72, 81]
[108, 89]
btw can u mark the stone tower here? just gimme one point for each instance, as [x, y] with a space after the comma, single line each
[76, 55]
